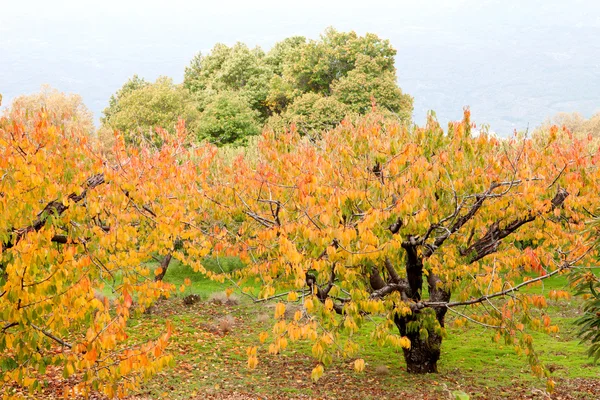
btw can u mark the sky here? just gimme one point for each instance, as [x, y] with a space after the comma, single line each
[513, 62]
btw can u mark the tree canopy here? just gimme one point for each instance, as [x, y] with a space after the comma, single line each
[231, 92]
[63, 109]
[409, 224]
[140, 107]
[348, 72]
[574, 122]
[372, 219]
[228, 119]
[74, 225]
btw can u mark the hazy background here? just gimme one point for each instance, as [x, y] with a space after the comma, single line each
[514, 62]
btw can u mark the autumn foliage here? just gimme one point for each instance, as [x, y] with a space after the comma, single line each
[372, 220]
[73, 226]
[378, 220]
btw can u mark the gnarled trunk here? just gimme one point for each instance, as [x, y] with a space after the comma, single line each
[424, 353]
[425, 341]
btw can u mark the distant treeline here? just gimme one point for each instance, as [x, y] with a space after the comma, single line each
[232, 92]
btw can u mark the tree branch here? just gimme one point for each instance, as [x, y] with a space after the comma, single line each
[489, 242]
[401, 287]
[394, 277]
[481, 299]
[51, 336]
[54, 207]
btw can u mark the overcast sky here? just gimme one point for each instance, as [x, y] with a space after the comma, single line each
[92, 47]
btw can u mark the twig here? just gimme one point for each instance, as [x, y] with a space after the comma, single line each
[51, 336]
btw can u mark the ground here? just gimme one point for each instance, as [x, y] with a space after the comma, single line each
[212, 364]
[210, 350]
[211, 336]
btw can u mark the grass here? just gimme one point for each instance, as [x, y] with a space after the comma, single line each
[212, 363]
[177, 273]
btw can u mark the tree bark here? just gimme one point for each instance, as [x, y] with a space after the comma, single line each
[414, 269]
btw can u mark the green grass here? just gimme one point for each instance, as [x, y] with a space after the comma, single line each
[213, 363]
[177, 273]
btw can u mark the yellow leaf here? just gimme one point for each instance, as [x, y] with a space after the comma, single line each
[263, 336]
[298, 315]
[359, 365]
[252, 362]
[405, 342]
[279, 310]
[329, 304]
[292, 296]
[316, 373]
[308, 304]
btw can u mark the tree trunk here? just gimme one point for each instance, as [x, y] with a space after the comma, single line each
[163, 267]
[423, 354]
[425, 341]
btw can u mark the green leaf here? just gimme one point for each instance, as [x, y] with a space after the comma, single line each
[460, 395]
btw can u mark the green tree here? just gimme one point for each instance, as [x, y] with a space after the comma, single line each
[589, 322]
[319, 63]
[281, 89]
[132, 84]
[235, 68]
[587, 284]
[368, 82]
[341, 71]
[228, 119]
[140, 107]
[353, 69]
[311, 113]
[283, 51]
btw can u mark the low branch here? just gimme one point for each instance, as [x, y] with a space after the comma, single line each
[54, 207]
[474, 320]
[505, 292]
[301, 292]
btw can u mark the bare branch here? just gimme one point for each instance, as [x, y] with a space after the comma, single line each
[474, 320]
[301, 292]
